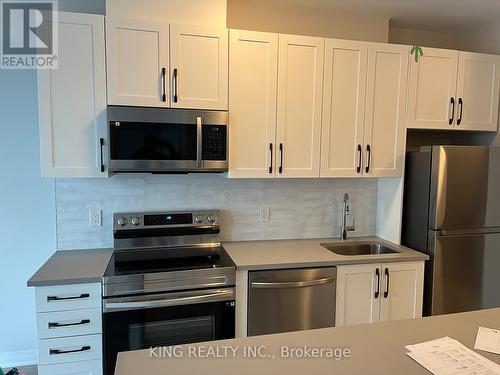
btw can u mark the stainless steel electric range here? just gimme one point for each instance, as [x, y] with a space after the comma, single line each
[169, 282]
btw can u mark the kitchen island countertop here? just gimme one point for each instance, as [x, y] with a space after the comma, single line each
[374, 349]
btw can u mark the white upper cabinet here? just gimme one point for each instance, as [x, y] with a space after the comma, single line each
[384, 135]
[433, 83]
[252, 103]
[300, 88]
[199, 67]
[72, 101]
[343, 108]
[454, 90]
[137, 61]
[478, 92]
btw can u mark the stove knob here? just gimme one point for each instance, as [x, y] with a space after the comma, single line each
[198, 219]
[122, 221]
[211, 218]
[136, 220]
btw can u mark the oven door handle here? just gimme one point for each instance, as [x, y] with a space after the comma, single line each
[199, 144]
[166, 300]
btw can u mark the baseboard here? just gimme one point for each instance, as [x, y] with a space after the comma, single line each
[20, 358]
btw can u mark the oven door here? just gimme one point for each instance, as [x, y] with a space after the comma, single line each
[141, 322]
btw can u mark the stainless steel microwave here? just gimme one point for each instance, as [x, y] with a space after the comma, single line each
[157, 140]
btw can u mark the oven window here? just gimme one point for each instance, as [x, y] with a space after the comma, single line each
[174, 332]
[152, 141]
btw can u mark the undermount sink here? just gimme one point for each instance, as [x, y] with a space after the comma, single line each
[359, 248]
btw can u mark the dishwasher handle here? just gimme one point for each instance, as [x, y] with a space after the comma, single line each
[291, 284]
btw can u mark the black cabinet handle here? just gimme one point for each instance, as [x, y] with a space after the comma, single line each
[280, 169]
[369, 150]
[175, 85]
[55, 298]
[461, 106]
[377, 292]
[101, 144]
[360, 152]
[59, 325]
[163, 85]
[452, 101]
[271, 165]
[386, 293]
[58, 351]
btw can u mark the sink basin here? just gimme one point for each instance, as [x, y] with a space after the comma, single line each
[359, 248]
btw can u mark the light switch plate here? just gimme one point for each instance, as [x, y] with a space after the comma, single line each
[264, 213]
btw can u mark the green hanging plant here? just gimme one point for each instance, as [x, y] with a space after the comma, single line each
[417, 52]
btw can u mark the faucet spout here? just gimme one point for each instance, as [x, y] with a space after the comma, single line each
[346, 210]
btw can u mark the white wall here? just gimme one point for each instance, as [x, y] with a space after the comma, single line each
[398, 35]
[261, 16]
[197, 12]
[27, 222]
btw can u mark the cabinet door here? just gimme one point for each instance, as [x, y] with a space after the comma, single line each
[432, 88]
[343, 108]
[385, 130]
[300, 82]
[402, 291]
[199, 66]
[357, 299]
[72, 101]
[478, 92]
[252, 104]
[137, 60]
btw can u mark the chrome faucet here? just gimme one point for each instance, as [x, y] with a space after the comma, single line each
[346, 210]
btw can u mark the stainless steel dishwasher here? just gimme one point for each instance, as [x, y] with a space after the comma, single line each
[291, 300]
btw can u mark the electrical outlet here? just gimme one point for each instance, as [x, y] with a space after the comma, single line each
[95, 215]
[264, 213]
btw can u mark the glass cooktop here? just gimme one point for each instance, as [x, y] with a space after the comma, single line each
[142, 261]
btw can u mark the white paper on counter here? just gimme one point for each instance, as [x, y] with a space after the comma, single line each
[447, 356]
[488, 339]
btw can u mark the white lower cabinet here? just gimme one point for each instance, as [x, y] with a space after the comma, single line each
[69, 329]
[378, 292]
[77, 368]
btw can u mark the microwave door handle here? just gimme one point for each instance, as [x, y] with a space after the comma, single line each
[199, 145]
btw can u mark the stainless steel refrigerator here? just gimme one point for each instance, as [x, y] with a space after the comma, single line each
[452, 213]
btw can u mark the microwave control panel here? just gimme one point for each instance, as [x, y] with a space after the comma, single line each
[214, 140]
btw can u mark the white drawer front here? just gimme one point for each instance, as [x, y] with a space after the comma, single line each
[68, 297]
[77, 368]
[69, 349]
[68, 323]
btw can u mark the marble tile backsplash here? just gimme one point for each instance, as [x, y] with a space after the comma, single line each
[305, 208]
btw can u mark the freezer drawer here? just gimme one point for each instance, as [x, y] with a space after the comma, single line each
[291, 300]
[463, 272]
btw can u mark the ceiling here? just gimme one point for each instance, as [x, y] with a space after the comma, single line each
[434, 15]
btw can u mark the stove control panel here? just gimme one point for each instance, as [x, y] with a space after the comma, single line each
[132, 220]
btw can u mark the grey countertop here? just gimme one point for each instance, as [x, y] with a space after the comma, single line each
[375, 349]
[86, 266]
[72, 267]
[256, 255]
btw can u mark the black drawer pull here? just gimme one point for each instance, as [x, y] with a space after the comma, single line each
[280, 169]
[163, 85]
[360, 151]
[55, 298]
[452, 102]
[175, 98]
[377, 292]
[58, 351]
[461, 106]
[271, 165]
[369, 150]
[59, 325]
